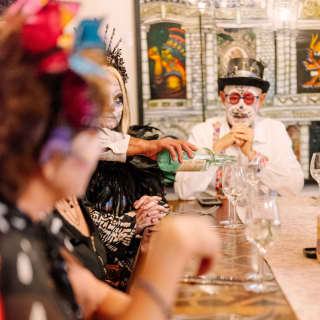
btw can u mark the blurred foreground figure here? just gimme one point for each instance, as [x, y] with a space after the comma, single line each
[48, 151]
[124, 198]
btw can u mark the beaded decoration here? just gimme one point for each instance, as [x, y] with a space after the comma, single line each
[113, 54]
[216, 135]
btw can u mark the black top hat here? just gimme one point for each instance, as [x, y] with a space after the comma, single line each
[245, 72]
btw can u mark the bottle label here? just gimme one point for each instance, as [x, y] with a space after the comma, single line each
[192, 165]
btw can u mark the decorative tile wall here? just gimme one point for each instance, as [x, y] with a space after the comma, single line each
[276, 46]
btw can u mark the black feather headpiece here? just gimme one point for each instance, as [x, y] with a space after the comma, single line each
[114, 54]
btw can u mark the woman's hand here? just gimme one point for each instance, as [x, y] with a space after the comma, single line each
[177, 241]
[149, 211]
[88, 290]
[189, 236]
[172, 145]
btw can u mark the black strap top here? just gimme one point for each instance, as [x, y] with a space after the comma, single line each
[33, 278]
[90, 251]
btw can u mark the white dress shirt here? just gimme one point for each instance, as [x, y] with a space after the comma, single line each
[114, 145]
[282, 173]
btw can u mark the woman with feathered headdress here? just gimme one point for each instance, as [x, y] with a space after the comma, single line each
[126, 198]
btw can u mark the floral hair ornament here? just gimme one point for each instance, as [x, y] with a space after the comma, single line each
[114, 54]
[26, 7]
[42, 30]
[87, 37]
[79, 111]
[88, 59]
[72, 108]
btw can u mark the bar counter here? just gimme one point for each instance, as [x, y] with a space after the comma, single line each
[224, 295]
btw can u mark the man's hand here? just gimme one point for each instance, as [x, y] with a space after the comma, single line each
[151, 148]
[226, 141]
[245, 134]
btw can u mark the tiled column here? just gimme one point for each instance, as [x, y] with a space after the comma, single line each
[211, 76]
[265, 51]
[287, 60]
[304, 148]
[293, 63]
[282, 58]
[145, 66]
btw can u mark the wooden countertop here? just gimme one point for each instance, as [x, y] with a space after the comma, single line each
[224, 299]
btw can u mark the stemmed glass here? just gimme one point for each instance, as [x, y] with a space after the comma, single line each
[262, 229]
[234, 187]
[315, 167]
[252, 175]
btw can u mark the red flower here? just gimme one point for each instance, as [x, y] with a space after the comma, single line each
[41, 31]
[57, 62]
[79, 110]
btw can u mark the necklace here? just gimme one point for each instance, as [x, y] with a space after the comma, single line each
[69, 208]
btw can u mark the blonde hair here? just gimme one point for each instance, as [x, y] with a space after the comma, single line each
[125, 120]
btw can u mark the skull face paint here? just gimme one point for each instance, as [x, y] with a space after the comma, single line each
[111, 120]
[241, 104]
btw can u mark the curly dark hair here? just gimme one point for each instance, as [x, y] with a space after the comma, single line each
[24, 111]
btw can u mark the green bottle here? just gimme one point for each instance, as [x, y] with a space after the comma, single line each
[202, 159]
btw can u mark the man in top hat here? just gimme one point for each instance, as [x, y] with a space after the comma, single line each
[242, 133]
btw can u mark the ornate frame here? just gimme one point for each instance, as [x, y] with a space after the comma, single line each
[150, 12]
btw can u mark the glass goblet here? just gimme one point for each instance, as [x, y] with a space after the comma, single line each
[263, 229]
[234, 187]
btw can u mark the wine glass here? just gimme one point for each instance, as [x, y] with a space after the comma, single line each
[252, 175]
[234, 187]
[315, 167]
[263, 229]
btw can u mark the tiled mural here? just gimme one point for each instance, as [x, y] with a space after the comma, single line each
[194, 47]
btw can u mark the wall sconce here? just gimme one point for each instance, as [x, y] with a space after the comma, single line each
[204, 6]
[284, 14]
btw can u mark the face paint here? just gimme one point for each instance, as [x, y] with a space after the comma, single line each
[241, 104]
[111, 120]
